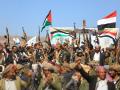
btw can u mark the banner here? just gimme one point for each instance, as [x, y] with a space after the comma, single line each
[32, 41]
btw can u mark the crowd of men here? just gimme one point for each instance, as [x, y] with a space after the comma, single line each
[62, 67]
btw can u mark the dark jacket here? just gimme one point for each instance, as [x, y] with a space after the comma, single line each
[92, 80]
[102, 57]
[65, 78]
[73, 85]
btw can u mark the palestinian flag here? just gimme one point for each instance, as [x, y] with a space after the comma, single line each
[59, 35]
[47, 21]
[108, 21]
[56, 30]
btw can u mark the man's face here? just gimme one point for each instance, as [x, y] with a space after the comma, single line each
[12, 73]
[77, 76]
[112, 73]
[107, 54]
[102, 73]
[80, 54]
[57, 47]
[38, 46]
[46, 71]
[14, 49]
[97, 49]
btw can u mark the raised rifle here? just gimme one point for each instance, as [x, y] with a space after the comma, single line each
[24, 34]
[97, 39]
[8, 37]
[39, 35]
[85, 37]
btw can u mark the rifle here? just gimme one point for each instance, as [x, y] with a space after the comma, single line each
[39, 35]
[24, 34]
[79, 40]
[47, 38]
[74, 32]
[89, 37]
[8, 38]
[86, 41]
[85, 38]
[96, 37]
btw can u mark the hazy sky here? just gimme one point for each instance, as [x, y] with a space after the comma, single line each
[31, 13]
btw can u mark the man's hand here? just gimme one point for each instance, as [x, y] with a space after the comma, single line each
[49, 78]
[77, 64]
[87, 50]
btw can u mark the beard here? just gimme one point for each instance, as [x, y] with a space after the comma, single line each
[13, 77]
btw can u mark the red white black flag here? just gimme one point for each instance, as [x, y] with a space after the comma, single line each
[108, 21]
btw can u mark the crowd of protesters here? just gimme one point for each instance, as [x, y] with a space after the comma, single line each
[62, 67]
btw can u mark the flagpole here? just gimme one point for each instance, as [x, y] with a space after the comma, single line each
[46, 35]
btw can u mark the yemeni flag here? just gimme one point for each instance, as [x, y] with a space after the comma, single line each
[112, 32]
[109, 33]
[47, 21]
[108, 21]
